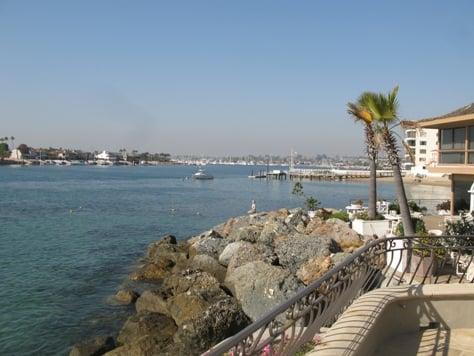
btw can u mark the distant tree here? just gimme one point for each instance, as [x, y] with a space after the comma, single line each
[3, 150]
[23, 149]
[12, 138]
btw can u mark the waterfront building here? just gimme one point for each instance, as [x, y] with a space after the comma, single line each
[421, 146]
[455, 152]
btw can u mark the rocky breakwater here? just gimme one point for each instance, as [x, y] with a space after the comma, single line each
[211, 286]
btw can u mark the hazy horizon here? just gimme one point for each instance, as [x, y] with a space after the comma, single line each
[215, 78]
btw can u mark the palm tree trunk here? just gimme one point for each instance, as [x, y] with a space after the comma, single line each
[372, 155]
[392, 153]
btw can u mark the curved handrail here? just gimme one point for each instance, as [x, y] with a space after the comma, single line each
[388, 259]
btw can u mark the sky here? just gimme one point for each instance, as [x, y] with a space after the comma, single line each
[224, 77]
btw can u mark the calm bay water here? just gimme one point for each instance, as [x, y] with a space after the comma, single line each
[70, 235]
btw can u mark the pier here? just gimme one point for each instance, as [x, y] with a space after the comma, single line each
[335, 174]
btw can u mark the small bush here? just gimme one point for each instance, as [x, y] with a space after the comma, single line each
[312, 203]
[341, 215]
[446, 205]
[425, 245]
[420, 228]
[412, 205]
[365, 216]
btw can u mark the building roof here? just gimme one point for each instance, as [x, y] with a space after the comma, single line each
[458, 116]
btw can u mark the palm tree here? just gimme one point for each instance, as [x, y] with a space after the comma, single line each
[384, 109]
[360, 113]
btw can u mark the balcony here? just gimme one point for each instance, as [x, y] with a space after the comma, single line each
[413, 289]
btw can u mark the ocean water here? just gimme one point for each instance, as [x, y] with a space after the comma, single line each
[69, 236]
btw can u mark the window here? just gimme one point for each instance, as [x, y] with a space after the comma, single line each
[422, 159]
[453, 138]
[422, 152]
[411, 142]
[471, 137]
[451, 157]
[422, 143]
[411, 134]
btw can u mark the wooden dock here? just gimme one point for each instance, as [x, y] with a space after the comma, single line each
[335, 174]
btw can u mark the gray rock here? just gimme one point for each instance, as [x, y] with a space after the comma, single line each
[211, 244]
[210, 265]
[229, 251]
[259, 287]
[94, 347]
[152, 301]
[272, 229]
[293, 251]
[155, 325]
[193, 282]
[222, 319]
[296, 216]
[126, 296]
[249, 233]
[249, 252]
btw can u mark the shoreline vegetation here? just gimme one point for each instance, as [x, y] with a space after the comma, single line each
[190, 295]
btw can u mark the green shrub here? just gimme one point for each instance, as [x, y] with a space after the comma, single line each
[412, 205]
[312, 203]
[364, 215]
[420, 228]
[425, 251]
[341, 215]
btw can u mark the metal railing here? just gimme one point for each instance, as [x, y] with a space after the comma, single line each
[382, 262]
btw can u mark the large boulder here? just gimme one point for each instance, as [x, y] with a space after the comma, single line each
[208, 264]
[259, 286]
[186, 306]
[210, 243]
[248, 252]
[159, 327]
[337, 230]
[192, 281]
[293, 251]
[126, 296]
[221, 320]
[274, 227]
[94, 347]
[153, 271]
[190, 293]
[296, 217]
[249, 233]
[161, 247]
[152, 301]
[314, 269]
[229, 252]
[145, 346]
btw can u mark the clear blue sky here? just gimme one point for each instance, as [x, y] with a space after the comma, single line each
[222, 77]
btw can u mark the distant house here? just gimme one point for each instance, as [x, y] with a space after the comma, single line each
[17, 154]
[455, 152]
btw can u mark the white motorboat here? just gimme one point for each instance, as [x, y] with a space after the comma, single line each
[201, 174]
